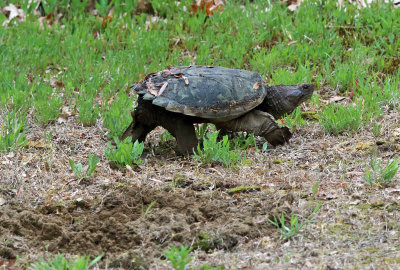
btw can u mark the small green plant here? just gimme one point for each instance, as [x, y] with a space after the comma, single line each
[337, 119]
[48, 109]
[294, 227]
[201, 129]
[47, 136]
[264, 147]
[376, 129]
[178, 258]
[217, 151]
[294, 120]
[149, 208]
[61, 263]
[88, 113]
[117, 117]
[87, 171]
[166, 136]
[12, 132]
[102, 7]
[243, 142]
[125, 153]
[315, 188]
[375, 174]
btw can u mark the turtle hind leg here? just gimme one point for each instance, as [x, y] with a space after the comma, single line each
[184, 133]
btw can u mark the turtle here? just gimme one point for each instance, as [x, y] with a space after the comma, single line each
[232, 99]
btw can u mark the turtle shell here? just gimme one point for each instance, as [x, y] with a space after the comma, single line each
[215, 93]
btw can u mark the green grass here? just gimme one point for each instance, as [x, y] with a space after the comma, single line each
[124, 153]
[12, 132]
[87, 64]
[61, 263]
[337, 119]
[376, 174]
[214, 151]
[294, 227]
[81, 57]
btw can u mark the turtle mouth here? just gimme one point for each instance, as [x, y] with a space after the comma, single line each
[307, 90]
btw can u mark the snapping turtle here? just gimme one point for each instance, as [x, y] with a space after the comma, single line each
[232, 99]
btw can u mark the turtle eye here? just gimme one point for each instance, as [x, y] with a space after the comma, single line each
[306, 86]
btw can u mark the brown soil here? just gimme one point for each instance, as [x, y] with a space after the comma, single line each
[45, 210]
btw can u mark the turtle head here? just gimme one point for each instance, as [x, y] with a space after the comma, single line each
[296, 95]
[283, 99]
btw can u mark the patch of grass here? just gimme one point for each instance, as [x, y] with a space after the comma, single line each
[295, 119]
[61, 263]
[117, 116]
[125, 152]
[217, 151]
[166, 136]
[243, 189]
[47, 105]
[12, 132]
[243, 141]
[376, 174]
[148, 209]
[88, 113]
[178, 257]
[337, 119]
[294, 227]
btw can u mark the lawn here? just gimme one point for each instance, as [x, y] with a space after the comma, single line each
[327, 200]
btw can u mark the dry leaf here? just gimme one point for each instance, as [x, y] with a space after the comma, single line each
[257, 85]
[150, 88]
[38, 144]
[13, 12]
[2, 201]
[208, 5]
[338, 99]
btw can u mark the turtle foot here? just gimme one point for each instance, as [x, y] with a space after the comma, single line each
[278, 136]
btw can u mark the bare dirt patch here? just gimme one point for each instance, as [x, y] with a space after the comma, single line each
[45, 209]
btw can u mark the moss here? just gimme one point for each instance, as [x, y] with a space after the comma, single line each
[207, 183]
[377, 205]
[363, 206]
[277, 161]
[242, 189]
[208, 242]
[310, 115]
[391, 260]
[393, 207]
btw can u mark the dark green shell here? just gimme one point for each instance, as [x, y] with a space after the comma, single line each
[203, 91]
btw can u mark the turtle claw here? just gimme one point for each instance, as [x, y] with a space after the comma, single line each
[279, 136]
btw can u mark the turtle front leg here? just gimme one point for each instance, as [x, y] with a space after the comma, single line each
[137, 130]
[261, 124]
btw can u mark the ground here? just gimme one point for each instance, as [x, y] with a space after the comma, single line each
[46, 210]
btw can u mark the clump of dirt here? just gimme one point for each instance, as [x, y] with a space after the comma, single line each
[141, 222]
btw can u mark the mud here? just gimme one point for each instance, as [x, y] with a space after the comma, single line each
[130, 233]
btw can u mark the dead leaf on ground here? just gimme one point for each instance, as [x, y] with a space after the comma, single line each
[12, 12]
[2, 201]
[208, 5]
[38, 144]
[338, 99]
